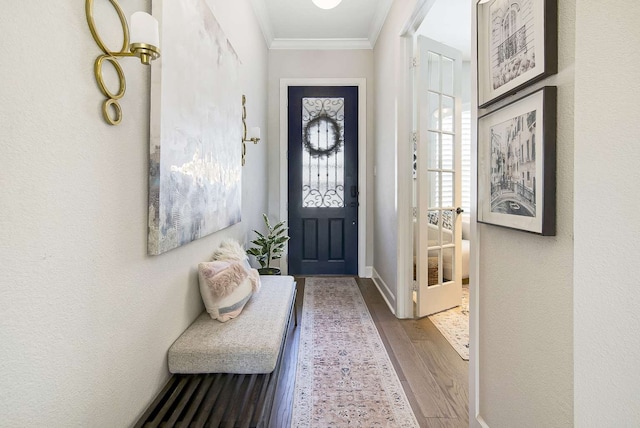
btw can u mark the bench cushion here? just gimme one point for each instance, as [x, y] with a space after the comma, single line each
[247, 344]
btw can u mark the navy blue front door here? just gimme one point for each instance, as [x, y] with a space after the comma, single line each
[323, 180]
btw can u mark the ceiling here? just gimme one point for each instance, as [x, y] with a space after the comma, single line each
[299, 24]
[354, 24]
[449, 22]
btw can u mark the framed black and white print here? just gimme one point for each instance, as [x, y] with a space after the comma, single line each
[517, 45]
[517, 164]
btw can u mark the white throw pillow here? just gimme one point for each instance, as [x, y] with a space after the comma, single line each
[225, 287]
[231, 250]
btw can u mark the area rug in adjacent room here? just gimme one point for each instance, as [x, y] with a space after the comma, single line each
[344, 376]
[454, 325]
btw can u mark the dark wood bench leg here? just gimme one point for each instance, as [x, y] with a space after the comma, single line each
[295, 306]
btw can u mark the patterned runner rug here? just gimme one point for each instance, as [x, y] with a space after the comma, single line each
[344, 376]
[454, 325]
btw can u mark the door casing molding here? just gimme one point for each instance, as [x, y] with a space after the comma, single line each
[420, 11]
[361, 83]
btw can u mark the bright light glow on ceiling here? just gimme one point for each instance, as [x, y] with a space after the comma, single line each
[326, 4]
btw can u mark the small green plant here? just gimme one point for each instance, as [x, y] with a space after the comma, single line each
[269, 246]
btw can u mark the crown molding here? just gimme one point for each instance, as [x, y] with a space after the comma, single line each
[262, 15]
[419, 13]
[378, 21]
[321, 44]
[264, 21]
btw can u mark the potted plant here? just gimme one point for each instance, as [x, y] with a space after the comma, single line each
[269, 246]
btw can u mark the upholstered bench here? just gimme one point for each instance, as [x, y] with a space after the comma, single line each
[225, 374]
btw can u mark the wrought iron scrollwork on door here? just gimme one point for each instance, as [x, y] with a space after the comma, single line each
[322, 155]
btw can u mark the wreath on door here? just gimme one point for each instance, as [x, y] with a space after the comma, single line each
[335, 145]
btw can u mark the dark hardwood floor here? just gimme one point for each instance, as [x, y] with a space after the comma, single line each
[432, 373]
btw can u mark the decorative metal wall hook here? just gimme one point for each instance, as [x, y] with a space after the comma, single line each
[144, 44]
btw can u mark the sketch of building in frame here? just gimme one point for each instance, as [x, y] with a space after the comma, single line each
[513, 166]
[512, 40]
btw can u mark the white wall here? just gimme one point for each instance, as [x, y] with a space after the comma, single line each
[307, 64]
[391, 64]
[86, 315]
[607, 230]
[526, 291]
[466, 83]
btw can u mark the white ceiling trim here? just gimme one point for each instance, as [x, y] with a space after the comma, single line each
[419, 13]
[378, 21]
[262, 15]
[321, 44]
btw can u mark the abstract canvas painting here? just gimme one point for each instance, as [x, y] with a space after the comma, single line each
[196, 128]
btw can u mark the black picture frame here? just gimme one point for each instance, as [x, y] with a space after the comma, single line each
[509, 63]
[517, 147]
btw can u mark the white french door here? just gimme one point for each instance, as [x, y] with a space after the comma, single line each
[438, 165]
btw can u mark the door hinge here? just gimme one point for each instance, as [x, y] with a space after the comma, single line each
[414, 62]
[414, 285]
[414, 137]
[415, 213]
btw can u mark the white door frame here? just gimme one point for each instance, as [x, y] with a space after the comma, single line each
[405, 222]
[361, 83]
[474, 257]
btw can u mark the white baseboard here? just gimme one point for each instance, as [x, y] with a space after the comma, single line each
[382, 287]
[481, 422]
[368, 272]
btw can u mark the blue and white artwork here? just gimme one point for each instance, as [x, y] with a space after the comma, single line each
[196, 128]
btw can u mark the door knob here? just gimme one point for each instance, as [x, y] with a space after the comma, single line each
[459, 210]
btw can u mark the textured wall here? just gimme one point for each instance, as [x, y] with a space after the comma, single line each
[312, 64]
[607, 230]
[86, 315]
[526, 291]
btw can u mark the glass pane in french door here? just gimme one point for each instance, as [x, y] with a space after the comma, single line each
[438, 83]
